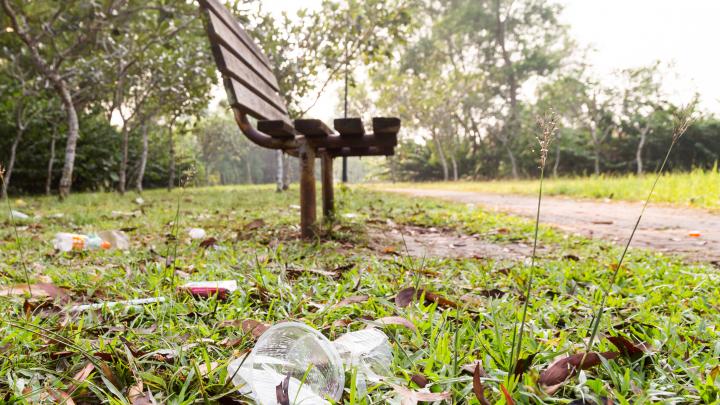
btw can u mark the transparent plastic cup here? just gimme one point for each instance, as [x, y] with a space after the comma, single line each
[300, 352]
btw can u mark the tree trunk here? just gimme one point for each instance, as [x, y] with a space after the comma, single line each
[441, 156]
[248, 170]
[143, 159]
[11, 162]
[512, 126]
[280, 173]
[61, 88]
[513, 162]
[286, 173]
[171, 154]
[51, 163]
[556, 164]
[454, 166]
[640, 147]
[122, 174]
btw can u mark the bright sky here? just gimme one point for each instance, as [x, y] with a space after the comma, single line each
[623, 34]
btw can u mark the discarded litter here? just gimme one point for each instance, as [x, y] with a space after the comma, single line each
[315, 366]
[67, 242]
[17, 215]
[296, 350]
[112, 304]
[695, 234]
[205, 289]
[197, 233]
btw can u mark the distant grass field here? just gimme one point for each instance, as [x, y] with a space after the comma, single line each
[168, 348]
[698, 188]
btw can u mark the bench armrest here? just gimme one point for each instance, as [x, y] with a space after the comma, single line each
[262, 139]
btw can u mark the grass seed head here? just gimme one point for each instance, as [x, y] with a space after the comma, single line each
[683, 119]
[548, 124]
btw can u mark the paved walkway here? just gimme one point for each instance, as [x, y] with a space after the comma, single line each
[665, 229]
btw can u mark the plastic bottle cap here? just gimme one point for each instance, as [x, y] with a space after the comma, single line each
[105, 245]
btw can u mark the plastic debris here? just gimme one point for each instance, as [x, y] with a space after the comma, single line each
[316, 366]
[139, 201]
[197, 233]
[112, 304]
[296, 350]
[369, 352]
[350, 215]
[206, 289]
[117, 239]
[695, 234]
[68, 242]
[17, 215]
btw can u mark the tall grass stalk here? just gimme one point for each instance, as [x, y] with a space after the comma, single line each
[21, 259]
[548, 126]
[683, 119]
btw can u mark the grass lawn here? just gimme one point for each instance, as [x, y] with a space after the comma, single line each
[170, 347]
[698, 188]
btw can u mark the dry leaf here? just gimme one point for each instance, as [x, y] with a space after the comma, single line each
[410, 397]
[357, 299]
[478, 388]
[39, 290]
[397, 320]
[627, 348]
[208, 243]
[137, 396]
[420, 380]
[81, 376]
[281, 391]
[60, 397]
[408, 295]
[506, 394]
[523, 365]
[563, 368]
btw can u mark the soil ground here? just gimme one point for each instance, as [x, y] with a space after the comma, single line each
[671, 230]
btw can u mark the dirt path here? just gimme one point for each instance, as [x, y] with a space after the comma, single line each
[664, 229]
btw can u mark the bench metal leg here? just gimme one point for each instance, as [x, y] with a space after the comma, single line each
[308, 214]
[328, 194]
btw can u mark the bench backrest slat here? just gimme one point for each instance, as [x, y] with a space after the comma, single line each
[249, 81]
[247, 101]
[230, 21]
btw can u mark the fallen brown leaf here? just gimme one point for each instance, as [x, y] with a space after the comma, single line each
[419, 380]
[281, 391]
[478, 388]
[408, 295]
[208, 243]
[627, 348]
[523, 365]
[410, 397]
[397, 320]
[565, 367]
[81, 376]
[39, 290]
[357, 299]
[506, 394]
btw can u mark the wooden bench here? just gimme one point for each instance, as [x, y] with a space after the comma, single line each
[253, 91]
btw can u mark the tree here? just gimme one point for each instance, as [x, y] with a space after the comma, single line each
[643, 104]
[27, 101]
[60, 39]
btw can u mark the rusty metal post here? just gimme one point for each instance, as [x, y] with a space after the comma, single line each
[328, 194]
[308, 214]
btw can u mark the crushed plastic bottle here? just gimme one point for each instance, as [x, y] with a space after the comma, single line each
[117, 239]
[315, 365]
[368, 353]
[197, 233]
[293, 350]
[68, 242]
[19, 216]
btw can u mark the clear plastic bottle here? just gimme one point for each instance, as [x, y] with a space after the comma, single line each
[67, 242]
